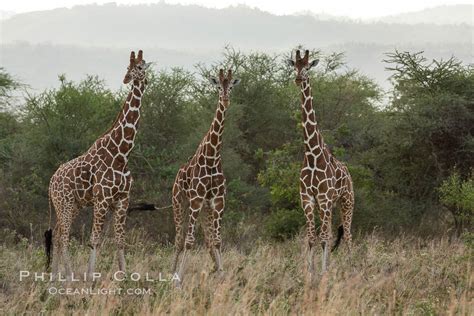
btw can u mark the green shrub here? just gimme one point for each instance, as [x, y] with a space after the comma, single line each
[283, 224]
[457, 196]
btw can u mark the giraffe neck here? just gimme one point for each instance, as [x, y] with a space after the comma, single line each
[124, 129]
[213, 140]
[313, 139]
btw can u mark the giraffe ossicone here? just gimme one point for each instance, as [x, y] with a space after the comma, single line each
[200, 184]
[324, 180]
[99, 178]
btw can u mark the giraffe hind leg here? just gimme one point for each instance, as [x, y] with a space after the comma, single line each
[178, 211]
[347, 208]
[195, 206]
[65, 217]
[56, 250]
[340, 234]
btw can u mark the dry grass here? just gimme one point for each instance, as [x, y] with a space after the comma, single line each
[403, 276]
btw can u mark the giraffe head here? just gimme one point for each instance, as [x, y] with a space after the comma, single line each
[224, 84]
[302, 66]
[136, 68]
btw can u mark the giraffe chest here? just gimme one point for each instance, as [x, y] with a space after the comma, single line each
[201, 177]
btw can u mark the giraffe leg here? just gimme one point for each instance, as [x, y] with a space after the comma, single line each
[66, 217]
[308, 204]
[65, 250]
[347, 207]
[208, 235]
[120, 217]
[56, 250]
[217, 205]
[100, 211]
[178, 212]
[325, 214]
[195, 207]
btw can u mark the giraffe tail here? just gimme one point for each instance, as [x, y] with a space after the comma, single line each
[147, 207]
[340, 234]
[48, 244]
[48, 237]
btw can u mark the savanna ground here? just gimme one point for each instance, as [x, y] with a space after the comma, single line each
[405, 275]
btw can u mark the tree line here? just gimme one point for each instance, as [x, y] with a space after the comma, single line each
[410, 150]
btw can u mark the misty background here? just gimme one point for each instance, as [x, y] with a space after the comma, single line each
[36, 47]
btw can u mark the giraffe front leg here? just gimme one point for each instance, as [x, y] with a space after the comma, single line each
[325, 213]
[120, 217]
[195, 207]
[217, 206]
[100, 211]
[308, 204]
[209, 235]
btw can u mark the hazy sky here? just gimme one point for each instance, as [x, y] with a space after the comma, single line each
[350, 8]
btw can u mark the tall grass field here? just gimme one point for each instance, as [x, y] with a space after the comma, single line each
[401, 276]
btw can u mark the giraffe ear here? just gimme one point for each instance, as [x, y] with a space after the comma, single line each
[146, 65]
[290, 62]
[313, 63]
[235, 82]
[214, 81]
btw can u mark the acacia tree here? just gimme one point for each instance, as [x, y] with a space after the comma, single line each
[7, 86]
[430, 124]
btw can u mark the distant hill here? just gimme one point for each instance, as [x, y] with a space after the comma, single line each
[93, 39]
[6, 14]
[197, 28]
[39, 64]
[452, 14]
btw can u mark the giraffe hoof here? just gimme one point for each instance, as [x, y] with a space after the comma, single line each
[178, 285]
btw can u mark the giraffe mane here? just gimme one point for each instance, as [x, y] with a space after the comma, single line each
[113, 124]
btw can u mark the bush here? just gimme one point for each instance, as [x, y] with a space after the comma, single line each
[284, 224]
[457, 196]
[281, 176]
